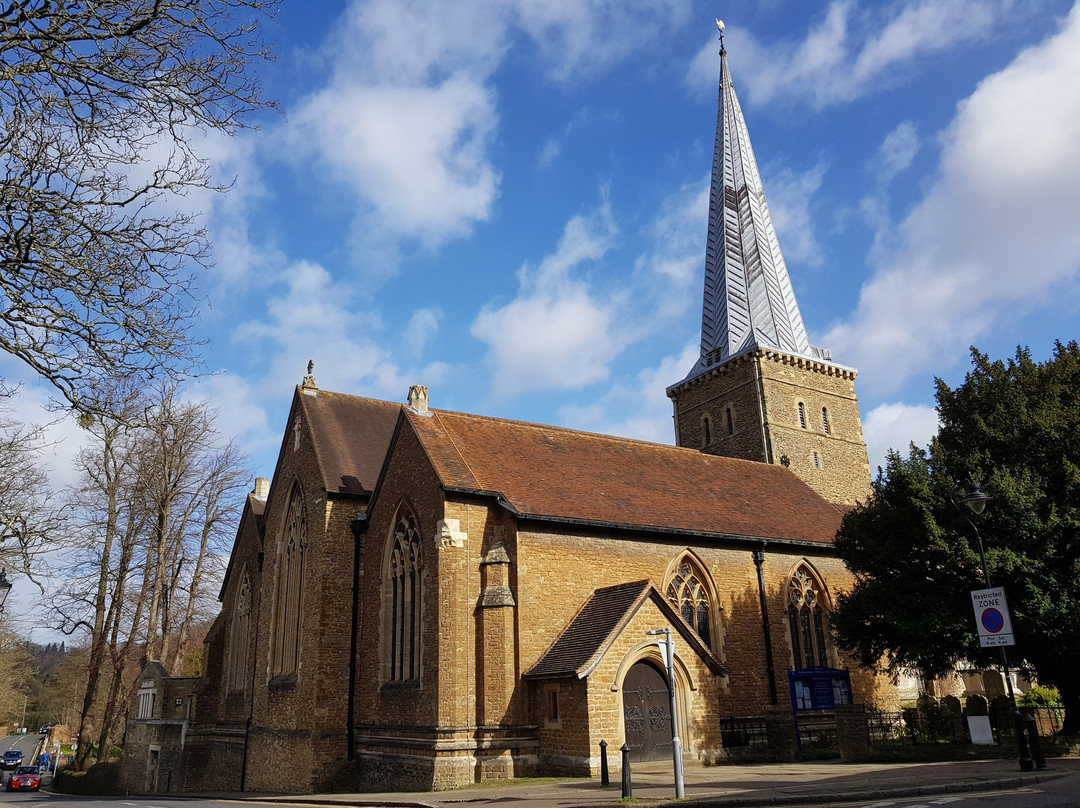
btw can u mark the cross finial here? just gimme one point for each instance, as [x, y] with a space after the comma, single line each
[720, 28]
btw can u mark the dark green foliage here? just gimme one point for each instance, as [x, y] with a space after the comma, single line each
[1040, 696]
[102, 779]
[1014, 427]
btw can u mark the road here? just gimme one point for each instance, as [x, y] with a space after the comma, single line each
[1061, 793]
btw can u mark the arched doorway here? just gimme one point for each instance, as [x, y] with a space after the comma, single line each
[646, 713]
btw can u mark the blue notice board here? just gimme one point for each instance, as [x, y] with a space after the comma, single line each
[819, 688]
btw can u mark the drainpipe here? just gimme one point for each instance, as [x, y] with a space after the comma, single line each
[359, 527]
[759, 559]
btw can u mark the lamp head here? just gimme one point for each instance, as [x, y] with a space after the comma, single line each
[976, 499]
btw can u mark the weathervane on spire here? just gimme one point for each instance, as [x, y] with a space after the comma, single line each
[720, 28]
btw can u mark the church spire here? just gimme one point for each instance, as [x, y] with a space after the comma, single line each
[749, 301]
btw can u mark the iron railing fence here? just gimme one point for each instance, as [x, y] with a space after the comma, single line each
[743, 732]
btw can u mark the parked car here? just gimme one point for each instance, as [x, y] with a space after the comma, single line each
[44, 729]
[12, 759]
[26, 778]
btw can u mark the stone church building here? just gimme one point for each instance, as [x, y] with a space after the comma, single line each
[421, 599]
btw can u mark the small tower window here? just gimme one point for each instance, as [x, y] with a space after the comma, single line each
[730, 423]
[707, 430]
[817, 460]
[802, 415]
[825, 420]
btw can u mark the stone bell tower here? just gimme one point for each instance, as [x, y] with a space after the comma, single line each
[760, 390]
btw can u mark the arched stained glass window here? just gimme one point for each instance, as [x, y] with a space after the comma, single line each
[405, 592]
[690, 597]
[807, 622]
[290, 588]
[240, 637]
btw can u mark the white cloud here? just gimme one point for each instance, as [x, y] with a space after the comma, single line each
[790, 196]
[408, 118]
[897, 426]
[423, 326]
[551, 150]
[416, 157]
[852, 50]
[556, 333]
[995, 234]
[640, 409]
[581, 35]
[896, 152]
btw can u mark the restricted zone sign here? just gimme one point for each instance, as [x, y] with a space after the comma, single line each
[992, 617]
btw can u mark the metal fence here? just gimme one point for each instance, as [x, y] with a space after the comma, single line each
[743, 732]
[1048, 719]
[911, 727]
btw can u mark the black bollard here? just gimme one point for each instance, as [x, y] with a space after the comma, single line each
[603, 764]
[627, 789]
[1034, 741]
[1026, 764]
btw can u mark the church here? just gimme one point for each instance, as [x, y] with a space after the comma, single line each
[424, 599]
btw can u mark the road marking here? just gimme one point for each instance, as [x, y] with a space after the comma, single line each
[945, 800]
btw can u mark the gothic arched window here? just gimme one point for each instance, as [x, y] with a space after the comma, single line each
[706, 428]
[730, 423]
[290, 588]
[688, 595]
[241, 635]
[807, 621]
[405, 598]
[825, 420]
[802, 415]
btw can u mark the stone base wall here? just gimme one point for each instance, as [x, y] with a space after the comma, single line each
[427, 764]
[214, 757]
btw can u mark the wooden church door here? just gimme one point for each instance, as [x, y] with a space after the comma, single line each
[646, 713]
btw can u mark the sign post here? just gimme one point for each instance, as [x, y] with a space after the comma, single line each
[992, 617]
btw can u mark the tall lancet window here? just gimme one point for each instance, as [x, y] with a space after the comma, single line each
[403, 598]
[288, 616]
[687, 592]
[241, 636]
[807, 620]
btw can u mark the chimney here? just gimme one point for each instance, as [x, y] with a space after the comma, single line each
[262, 488]
[418, 399]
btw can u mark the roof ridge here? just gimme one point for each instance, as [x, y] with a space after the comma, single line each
[461, 456]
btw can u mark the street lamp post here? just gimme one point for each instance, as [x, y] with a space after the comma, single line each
[667, 649]
[976, 501]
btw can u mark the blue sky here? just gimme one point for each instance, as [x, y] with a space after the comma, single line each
[506, 201]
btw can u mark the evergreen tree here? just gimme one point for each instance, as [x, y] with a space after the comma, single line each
[1014, 427]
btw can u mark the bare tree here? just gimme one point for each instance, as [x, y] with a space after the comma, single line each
[100, 108]
[156, 505]
[29, 516]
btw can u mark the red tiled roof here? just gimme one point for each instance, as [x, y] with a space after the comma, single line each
[351, 436]
[546, 471]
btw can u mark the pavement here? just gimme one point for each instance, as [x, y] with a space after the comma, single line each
[808, 783]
